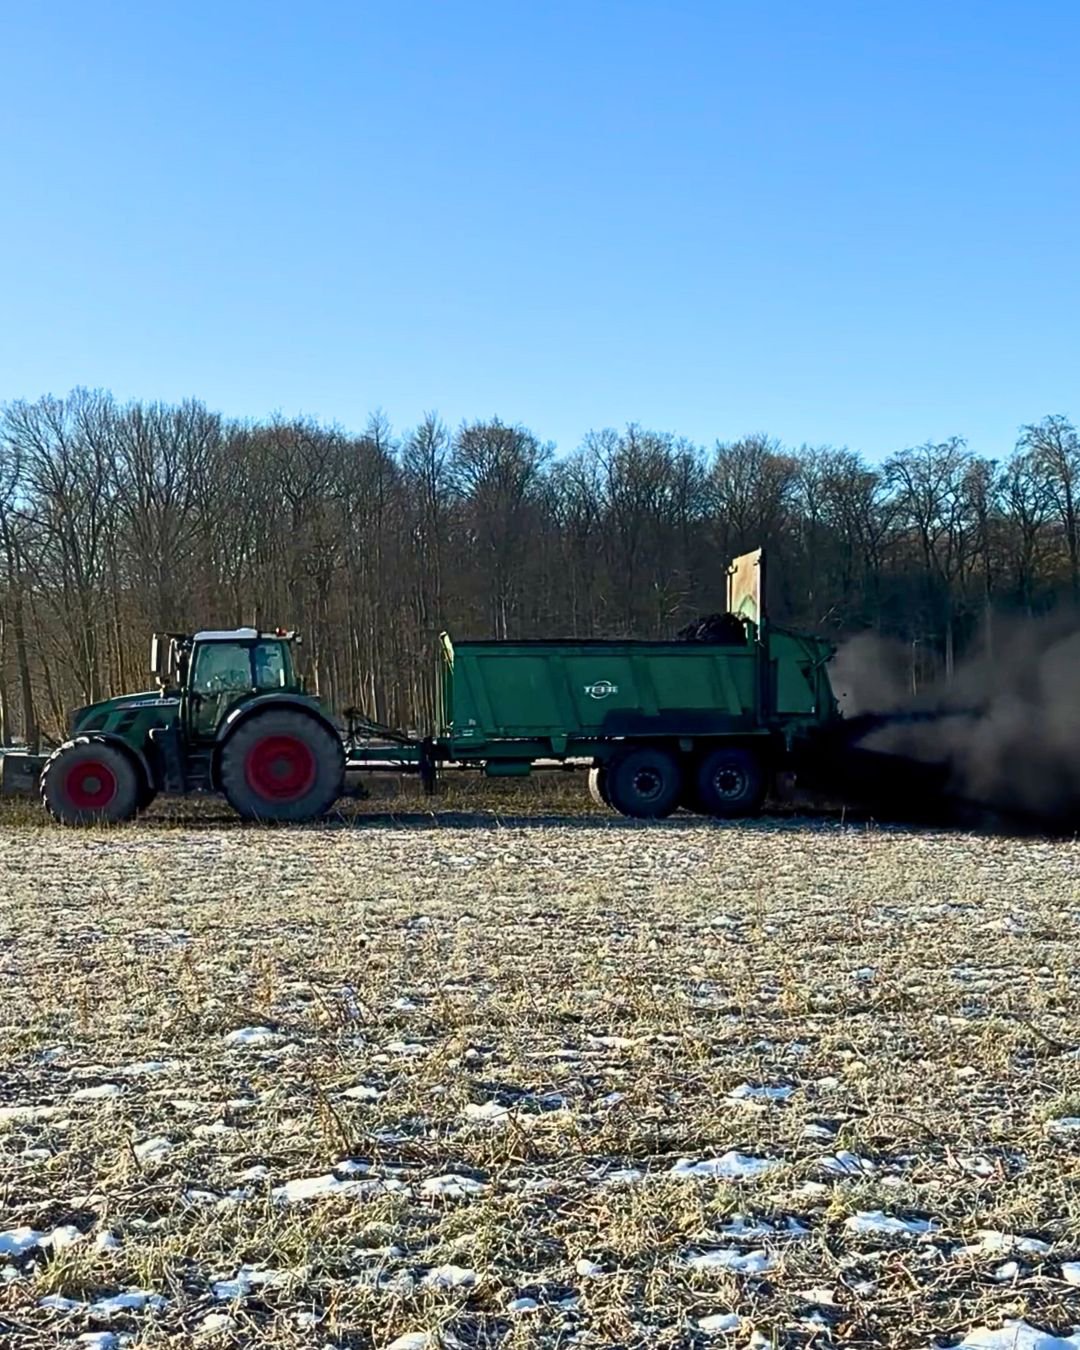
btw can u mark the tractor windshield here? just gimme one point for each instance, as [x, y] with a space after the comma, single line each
[221, 667]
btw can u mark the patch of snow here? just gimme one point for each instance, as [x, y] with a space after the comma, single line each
[619, 1176]
[18, 1241]
[880, 1225]
[58, 1303]
[449, 1277]
[1007, 1272]
[522, 1305]
[62, 1237]
[733, 1260]
[451, 1186]
[847, 1164]
[107, 1241]
[415, 1340]
[409, 1048]
[364, 1092]
[148, 1066]
[716, 1323]
[316, 1188]
[151, 1150]
[259, 1172]
[977, 1164]
[1063, 1125]
[132, 1300]
[98, 1340]
[100, 1092]
[749, 1092]
[403, 1004]
[1017, 1336]
[609, 1042]
[215, 1324]
[731, 1166]
[821, 1295]
[590, 1270]
[816, 1131]
[26, 1115]
[248, 1278]
[209, 1131]
[488, 1112]
[755, 1230]
[245, 1036]
[991, 1242]
[1070, 1272]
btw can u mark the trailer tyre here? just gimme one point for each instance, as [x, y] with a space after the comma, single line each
[598, 785]
[282, 765]
[87, 782]
[731, 782]
[645, 783]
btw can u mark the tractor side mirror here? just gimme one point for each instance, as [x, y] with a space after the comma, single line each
[157, 659]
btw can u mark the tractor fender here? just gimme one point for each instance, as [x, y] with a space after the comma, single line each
[264, 703]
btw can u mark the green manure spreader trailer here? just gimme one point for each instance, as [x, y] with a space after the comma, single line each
[703, 725]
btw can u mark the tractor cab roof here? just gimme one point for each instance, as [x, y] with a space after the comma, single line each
[241, 635]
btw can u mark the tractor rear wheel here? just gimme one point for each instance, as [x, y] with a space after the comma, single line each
[644, 782]
[282, 765]
[86, 782]
[731, 782]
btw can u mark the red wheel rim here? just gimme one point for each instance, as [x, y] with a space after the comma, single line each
[90, 785]
[280, 768]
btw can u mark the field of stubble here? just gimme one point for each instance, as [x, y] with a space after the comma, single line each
[462, 1082]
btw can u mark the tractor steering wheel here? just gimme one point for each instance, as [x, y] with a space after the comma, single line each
[220, 684]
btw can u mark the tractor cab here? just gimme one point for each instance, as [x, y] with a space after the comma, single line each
[213, 670]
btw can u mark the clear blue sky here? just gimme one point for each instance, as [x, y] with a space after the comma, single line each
[840, 223]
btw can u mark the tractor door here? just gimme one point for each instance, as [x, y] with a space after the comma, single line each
[221, 675]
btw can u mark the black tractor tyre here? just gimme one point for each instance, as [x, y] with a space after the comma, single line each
[644, 782]
[731, 782]
[89, 782]
[282, 765]
[598, 785]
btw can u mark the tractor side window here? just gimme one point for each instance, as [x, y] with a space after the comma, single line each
[269, 666]
[221, 667]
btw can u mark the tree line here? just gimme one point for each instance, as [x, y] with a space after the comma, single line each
[118, 520]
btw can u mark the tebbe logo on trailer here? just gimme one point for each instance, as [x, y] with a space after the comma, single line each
[601, 689]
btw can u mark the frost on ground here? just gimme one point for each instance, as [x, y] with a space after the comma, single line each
[538, 1084]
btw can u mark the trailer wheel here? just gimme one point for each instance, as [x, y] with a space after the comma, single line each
[282, 765]
[598, 785]
[86, 782]
[731, 782]
[644, 782]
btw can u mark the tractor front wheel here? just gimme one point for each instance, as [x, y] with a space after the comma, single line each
[282, 765]
[87, 782]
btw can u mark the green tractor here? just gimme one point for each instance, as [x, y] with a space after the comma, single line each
[229, 715]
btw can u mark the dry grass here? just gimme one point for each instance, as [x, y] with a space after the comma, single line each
[610, 985]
